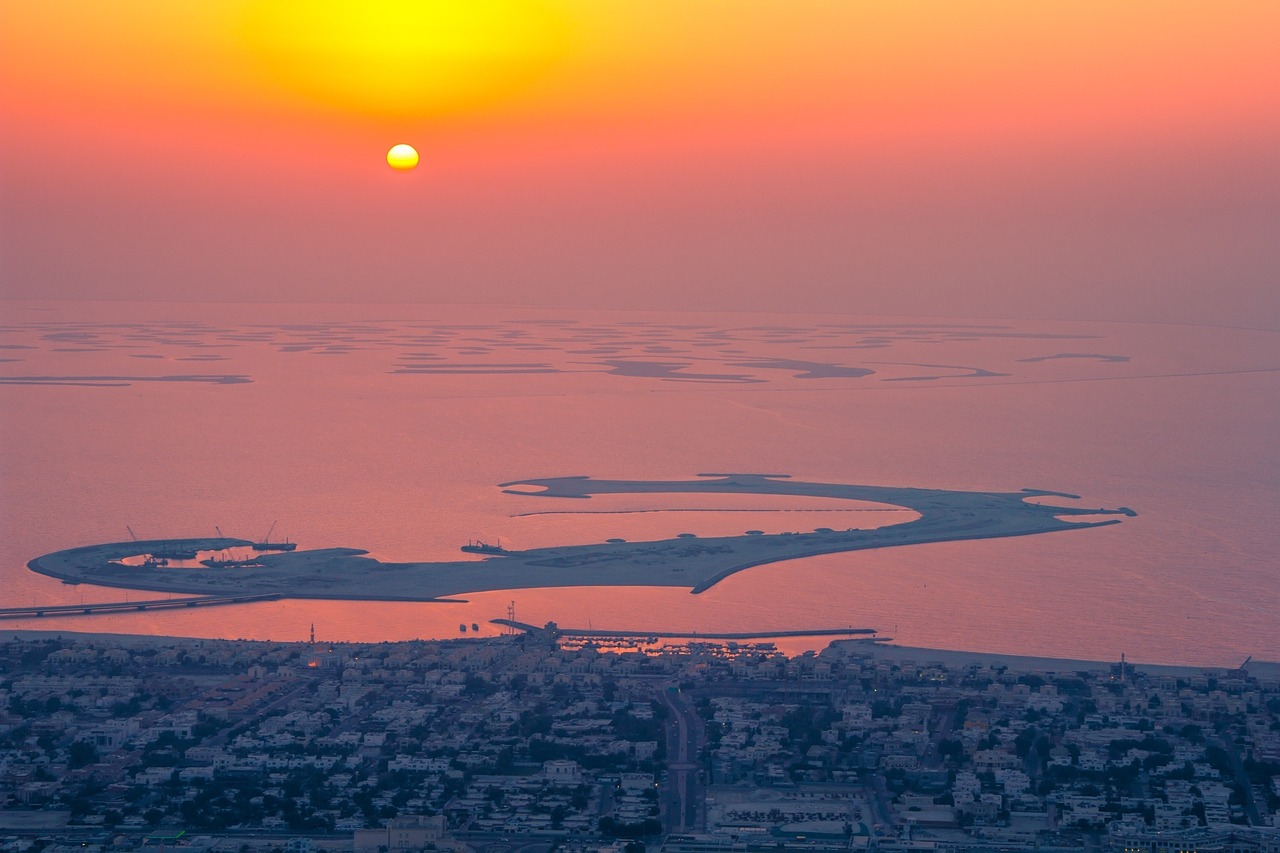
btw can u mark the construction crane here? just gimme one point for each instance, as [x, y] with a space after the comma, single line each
[132, 535]
[267, 545]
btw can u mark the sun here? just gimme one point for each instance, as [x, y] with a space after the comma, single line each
[402, 157]
[400, 58]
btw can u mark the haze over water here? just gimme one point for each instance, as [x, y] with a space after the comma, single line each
[389, 428]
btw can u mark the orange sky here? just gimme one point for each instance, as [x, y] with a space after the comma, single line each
[1003, 158]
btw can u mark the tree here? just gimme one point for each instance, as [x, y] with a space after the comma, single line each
[82, 753]
[618, 829]
[474, 685]
[1022, 743]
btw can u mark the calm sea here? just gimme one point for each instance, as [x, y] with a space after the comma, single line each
[389, 428]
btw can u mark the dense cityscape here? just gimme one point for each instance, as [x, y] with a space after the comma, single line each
[538, 742]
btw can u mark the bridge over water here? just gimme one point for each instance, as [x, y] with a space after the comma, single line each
[99, 608]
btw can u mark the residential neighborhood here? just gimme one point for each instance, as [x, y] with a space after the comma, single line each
[541, 741]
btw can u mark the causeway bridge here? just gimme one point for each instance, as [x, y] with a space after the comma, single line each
[99, 608]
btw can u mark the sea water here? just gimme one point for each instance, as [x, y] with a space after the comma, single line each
[390, 428]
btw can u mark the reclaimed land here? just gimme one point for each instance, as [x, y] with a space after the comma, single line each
[695, 563]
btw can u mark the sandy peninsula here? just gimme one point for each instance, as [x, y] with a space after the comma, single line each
[695, 563]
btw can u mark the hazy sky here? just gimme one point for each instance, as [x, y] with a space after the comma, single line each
[1083, 158]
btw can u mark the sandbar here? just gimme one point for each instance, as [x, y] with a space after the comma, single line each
[693, 563]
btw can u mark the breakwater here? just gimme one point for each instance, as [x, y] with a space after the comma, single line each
[683, 635]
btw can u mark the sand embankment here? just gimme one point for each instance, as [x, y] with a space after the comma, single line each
[693, 563]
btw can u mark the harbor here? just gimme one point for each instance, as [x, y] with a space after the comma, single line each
[553, 630]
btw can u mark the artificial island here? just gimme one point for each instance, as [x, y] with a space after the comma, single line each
[695, 563]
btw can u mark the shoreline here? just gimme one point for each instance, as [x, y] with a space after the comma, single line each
[1038, 663]
[888, 652]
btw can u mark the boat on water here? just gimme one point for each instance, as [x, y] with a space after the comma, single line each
[177, 553]
[275, 546]
[478, 547]
[475, 626]
[154, 562]
[227, 563]
[267, 545]
[462, 626]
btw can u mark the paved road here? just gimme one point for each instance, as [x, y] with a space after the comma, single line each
[683, 795]
[1241, 777]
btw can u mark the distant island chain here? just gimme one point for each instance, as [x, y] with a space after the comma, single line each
[694, 562]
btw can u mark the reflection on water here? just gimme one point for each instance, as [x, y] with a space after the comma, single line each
[396, 441]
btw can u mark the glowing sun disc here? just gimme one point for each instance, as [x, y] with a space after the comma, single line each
[402, 157]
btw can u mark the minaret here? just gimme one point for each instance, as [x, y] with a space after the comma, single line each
[314, 661]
